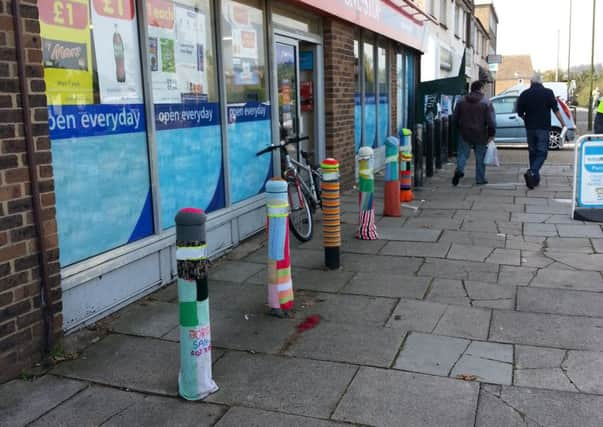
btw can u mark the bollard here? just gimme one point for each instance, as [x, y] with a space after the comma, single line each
[280, 285]
[331, 212]
[437, 147]
[194, 379]
[367, 230]
[391, 203]
[444, 147]
[429, 149]
[406, 166]
[419, 158]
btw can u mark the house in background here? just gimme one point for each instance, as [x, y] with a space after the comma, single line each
[514, 69]
[486, 30]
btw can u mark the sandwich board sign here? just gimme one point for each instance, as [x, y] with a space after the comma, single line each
[587, 201]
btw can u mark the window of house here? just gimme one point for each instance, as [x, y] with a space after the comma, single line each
[248, 110]
[457, 20]
[444, 12]
[182, 62]
[370, 94]
[97, 125]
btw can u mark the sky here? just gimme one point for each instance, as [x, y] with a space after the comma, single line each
[531, 27]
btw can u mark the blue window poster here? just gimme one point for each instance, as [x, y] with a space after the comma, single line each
[101, 173]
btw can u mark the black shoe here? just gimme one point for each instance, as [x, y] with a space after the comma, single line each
[457, 177]
[530, 181]
[481, 183]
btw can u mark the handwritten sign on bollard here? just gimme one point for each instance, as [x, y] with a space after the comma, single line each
[194, 379]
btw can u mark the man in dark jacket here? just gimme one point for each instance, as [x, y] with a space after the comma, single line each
[475, 121]
[534, 106]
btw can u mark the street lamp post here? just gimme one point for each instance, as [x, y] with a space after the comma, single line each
[592, 71]
[569, 45]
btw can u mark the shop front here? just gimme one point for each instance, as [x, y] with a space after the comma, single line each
[161, 104]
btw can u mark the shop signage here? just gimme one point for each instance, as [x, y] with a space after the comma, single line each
[589, 190]
[66, 51]
[375, 15]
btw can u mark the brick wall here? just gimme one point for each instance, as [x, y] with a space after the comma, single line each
[21, 322]
[339, 96]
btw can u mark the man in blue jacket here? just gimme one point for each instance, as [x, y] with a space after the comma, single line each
[534, 106]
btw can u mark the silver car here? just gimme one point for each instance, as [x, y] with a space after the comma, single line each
[510, 127]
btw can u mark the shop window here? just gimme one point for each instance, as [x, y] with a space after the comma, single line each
[357, 97]
[248, 112]
[401, 92]
[97, 125]
[409, 89]
[383, 94]
[370, 92]
[182, 62]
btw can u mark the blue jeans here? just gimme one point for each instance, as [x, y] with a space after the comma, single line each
[462, 154]
[538, 146]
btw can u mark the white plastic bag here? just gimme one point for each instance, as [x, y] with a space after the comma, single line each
[491, 157]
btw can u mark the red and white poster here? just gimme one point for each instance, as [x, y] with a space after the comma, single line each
[117, 51]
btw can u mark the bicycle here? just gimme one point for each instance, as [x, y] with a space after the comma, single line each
[303, 188]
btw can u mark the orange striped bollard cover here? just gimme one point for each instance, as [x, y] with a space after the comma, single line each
[331, 212]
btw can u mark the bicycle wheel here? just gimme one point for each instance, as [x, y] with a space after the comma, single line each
[300, 217]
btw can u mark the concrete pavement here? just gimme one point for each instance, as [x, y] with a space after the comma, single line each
[481, 306]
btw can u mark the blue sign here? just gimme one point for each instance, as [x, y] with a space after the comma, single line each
[589, 180]
[188, 115]
[306, 61]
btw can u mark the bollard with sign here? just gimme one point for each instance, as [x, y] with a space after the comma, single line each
[587, 200]
[194, 379]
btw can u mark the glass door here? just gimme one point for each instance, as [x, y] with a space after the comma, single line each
[287, 81]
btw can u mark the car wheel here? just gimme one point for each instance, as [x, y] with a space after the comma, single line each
[555, 142]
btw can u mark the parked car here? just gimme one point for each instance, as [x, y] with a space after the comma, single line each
[510, 127]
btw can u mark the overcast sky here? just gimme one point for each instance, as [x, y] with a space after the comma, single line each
[531, 26]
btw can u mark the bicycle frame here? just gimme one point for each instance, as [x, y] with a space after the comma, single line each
[291, 168]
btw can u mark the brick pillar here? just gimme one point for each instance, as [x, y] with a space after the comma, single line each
[339, 96]
[21, 322]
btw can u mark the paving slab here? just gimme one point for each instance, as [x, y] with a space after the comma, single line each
[147, 319]
[320, 280]
[166, 294]
[473, 238]
[357, 344]
[550, 330]
[488, 295]
[161, 411]
[416, 249]
[497, 207]
[480, 225]
[391, 222]
[387, 398]
[569, 244]
[568, 279]
[466, 322]
[547, 378]
[510, 228]
[576, 230]
[486, 370]
[462, 270]
[140, 364]
[558, 301]
[237, 416]
[536, 229]
[420, 316]
[593, 262]
[437, 223]
[448, 204]
[468, 252]
[536, 259]
[597, 245]
[540, 408]
[430, 354]
[306, 258]
[481, 215]
[353, 309]
[530, 217]
[516, 276]
[409, 234]
[234, 271]
[448, 291]
[528, 357]
[380, 264]
[549, 209]
[387, 285]
[22, 402]
[585, 370]
[525, 243]
[295, 386]
[505, 256]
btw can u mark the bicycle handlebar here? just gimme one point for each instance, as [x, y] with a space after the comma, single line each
[284, 142]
